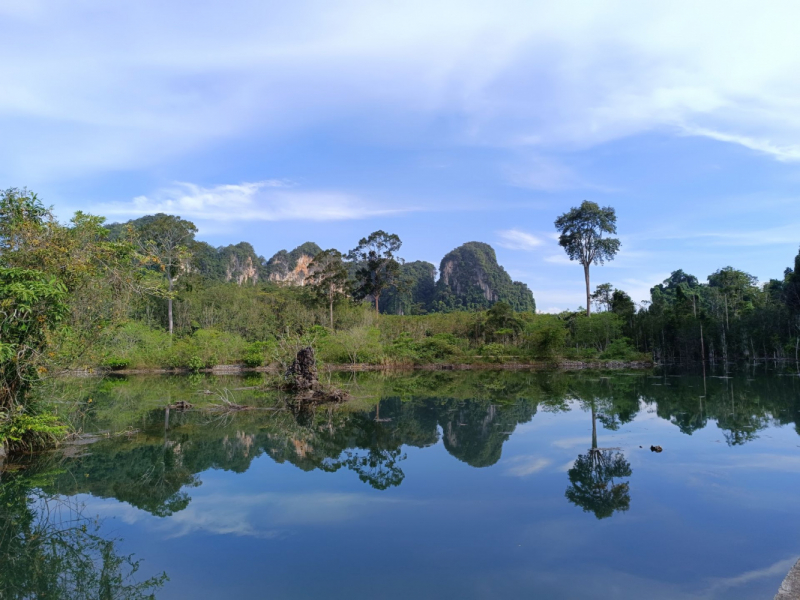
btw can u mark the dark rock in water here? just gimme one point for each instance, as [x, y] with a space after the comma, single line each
[301, 375]
[181, 405]
[655, 449]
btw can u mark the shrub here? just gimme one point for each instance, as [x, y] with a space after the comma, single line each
[436, 347]
[23, 429]
[357, 345]
[545, 336]
[619, 349]
[259, 353]
[115, 363]
[494, 352]
[206, 348]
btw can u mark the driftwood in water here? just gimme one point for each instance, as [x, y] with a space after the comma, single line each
[301, 378]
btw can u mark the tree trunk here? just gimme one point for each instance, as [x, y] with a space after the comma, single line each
[588, 295]
[702, 348]
[331, 292]
[594, 429]
[377, 298]
[169, 301]
[727, 324]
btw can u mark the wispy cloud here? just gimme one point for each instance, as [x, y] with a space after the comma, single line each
[560, 259]
[516, 239]
[784, 153]
[540, 173]
[269, 200]
[142, 88]
[262, 515]
[778, 568]
[522, 466]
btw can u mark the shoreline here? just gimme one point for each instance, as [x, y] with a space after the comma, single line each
[563, 365]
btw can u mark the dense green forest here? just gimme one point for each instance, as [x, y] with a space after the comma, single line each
[148, 294]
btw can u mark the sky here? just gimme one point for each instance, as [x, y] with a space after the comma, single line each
[445, 122]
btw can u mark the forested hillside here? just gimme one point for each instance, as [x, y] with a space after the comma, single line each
[148, 294]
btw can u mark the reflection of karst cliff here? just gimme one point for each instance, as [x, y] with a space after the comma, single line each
[154, 470]
[475, 432]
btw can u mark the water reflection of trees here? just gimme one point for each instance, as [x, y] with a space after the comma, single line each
[595, 477]
[594, 482]
[472, 414]
[50, 550]
[155, 469]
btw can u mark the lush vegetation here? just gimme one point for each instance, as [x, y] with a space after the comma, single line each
[146, 294]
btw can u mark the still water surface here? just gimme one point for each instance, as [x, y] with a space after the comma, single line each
[425, 485]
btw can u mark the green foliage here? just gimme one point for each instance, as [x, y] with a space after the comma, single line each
[258, 353]
[31, 305]
[582, 232]
[620, 349]
[494, 352]
[206, 348]
[328, 279]
[596, 331]
[594, 483]
[415, 294]
[377, 269]
[115, 363]
[546, 336]
[50, 549]
[357, 345]
[24, 429]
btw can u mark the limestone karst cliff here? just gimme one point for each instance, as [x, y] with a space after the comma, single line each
[292, 267]
[470, 277]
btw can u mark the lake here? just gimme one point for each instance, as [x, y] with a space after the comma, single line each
[424, 485]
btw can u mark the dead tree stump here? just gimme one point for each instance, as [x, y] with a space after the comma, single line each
[301, 376]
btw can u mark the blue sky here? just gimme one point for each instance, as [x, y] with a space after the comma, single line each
[443, 122]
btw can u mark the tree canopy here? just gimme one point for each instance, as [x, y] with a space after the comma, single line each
[582, 235]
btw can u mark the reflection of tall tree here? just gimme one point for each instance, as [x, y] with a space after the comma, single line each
[594, 484]
[49, 550]
[379, 467]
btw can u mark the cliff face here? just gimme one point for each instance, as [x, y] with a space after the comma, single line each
[241, 270]
[471, 278]
[291, 268]
[238, 262]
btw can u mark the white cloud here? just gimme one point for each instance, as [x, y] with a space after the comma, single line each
[515, 239]
[261, 515]
[522, 466]
[270, 200]
[560, 259]
[110, 86]
[540, 173]
[787, 153]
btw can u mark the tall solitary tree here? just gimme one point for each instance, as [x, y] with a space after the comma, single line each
[378, 268]
[582, 230]
[166, 239]
[327, 276]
